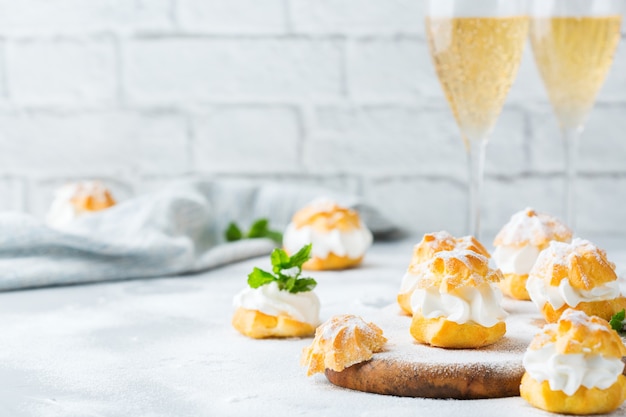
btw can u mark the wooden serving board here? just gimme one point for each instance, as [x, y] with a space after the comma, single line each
[409, 369]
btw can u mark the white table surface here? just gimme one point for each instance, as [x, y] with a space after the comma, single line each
[165, 347]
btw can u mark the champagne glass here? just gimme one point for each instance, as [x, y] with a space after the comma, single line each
[476, 46]
[574, 42]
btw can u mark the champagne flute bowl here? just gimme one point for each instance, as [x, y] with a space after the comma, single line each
[574, 42]
[476, 47]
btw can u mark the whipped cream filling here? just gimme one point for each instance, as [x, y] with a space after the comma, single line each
[568, 372]
[269, 299]
[409, 282]
[352, 244]
[516, 260]
[481, 305]
[564, 293]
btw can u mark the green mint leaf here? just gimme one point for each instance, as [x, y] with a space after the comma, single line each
[280, 260]
[233, 232]
[259, 277]
[258, 229]
[287, 283]
[301, 256]
[287, 272]
[616, 321]
[275, 236]
[303, 285]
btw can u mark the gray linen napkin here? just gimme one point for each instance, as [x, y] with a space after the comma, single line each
[173, 231]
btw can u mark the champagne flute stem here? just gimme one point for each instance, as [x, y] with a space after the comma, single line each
[571, 140]
[476, 165]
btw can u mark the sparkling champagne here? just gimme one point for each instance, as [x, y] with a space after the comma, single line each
[476, 59]
[574, 55]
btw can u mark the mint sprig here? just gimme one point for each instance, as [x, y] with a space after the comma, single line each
[286, 271]
[617, 321]
[260, 228]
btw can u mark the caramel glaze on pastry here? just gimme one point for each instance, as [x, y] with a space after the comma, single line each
[423, 252]
[576, 275]
[574, 366]
[337, 233]
[518, 245]
[341, 342]
[456, 303]
[85, 201]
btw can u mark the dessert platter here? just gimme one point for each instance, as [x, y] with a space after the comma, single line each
[452, 332]
[410, 369]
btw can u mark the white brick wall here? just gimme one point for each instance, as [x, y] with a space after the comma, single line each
[184, 70]
[357, 16]
[227, 139]
[232, 16]
[48, 72]
[339, 93]
[37, 17]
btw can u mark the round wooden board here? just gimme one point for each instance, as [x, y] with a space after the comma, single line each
[409, 369]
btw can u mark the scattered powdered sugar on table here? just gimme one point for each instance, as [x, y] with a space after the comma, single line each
[165, 347]
[505, 355]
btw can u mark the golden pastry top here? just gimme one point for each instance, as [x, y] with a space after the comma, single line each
[432, 243]
[529, 227]
[449, 270]
[581, 262]
[91, 196]
[326, 215]
[340, 342]
[576, 332]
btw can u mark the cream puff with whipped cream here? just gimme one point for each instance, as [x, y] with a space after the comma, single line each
[456, 303]
[423, 252]
[339, 237]
[280, 303]
[575, 275]
[574, 366]
[268, 311]
[518, 244]
[74, 200]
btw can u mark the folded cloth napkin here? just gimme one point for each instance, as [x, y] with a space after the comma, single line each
[176, 230]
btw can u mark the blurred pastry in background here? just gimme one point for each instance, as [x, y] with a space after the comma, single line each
[575, 275]
[423, 252]
[575, 366]
[339, 237]
[76, 199]
[518, 245]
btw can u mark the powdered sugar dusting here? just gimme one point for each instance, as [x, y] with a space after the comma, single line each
[579, 318]
[460, 254]
[565, 254]
[340, 342]
[531, 227]
[441, 236]
[477, 270]
[348, 322]
[322, 205]
[505, 356]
